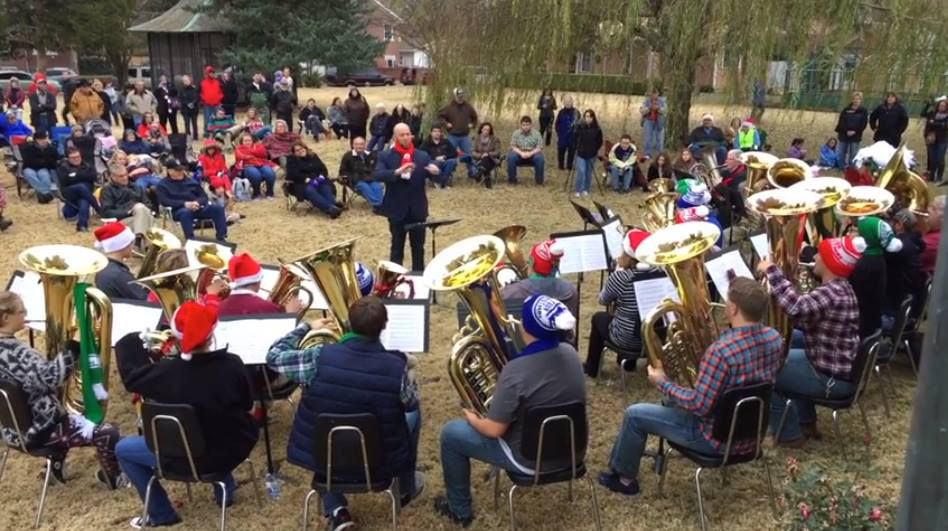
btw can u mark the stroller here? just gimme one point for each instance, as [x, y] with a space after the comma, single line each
[102, 132]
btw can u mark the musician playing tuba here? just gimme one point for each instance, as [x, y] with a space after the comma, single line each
[747, 353]
[823, 349]
[546, 372]
[41, 380]
[544, 261]
[356, 375]
[116, 241]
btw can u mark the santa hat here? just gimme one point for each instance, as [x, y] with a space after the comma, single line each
[632, 240]
[839, 255]
[365, 277]
[244, 270]
[113, 237]
[875, 236]
[698, 213]
[747, 122]
[545, 317]
[193, 324]
[545, 256]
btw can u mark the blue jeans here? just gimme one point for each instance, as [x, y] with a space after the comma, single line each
[670, 423]
[463, 142]
[137, 119]
[936, 161]
[79, 200]
[406, 480]
[447, 167]
[209, 113]
[621, 179]
[259, 174]
[40, 180]
[139, 464]
[799, 376]
[377, 143]
[460, 443]
[845, 152]
[654, 138]
[211, 211]
[147, 181]
[536, 161]
[322, 196]
[720, 152]
[584, 173]
[373, 192]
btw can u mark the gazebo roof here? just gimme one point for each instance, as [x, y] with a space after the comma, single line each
[185, 17]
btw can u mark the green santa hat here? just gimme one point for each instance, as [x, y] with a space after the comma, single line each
[875, 237]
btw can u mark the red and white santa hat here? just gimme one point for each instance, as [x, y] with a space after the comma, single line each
[545, 256]
[632, 240]
[193, 324]
[244, 270]
[113, 237]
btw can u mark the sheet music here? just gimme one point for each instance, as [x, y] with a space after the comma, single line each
[251, 338]
[28, 286]
[718, 268]
[192, 246]
[614, 233]
[422, 293]
[583, 253]
[407, 328]
[649, 293]
[130, 317]
[761, 245]
[272, 273]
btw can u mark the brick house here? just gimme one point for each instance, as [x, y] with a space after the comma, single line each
[398, 52]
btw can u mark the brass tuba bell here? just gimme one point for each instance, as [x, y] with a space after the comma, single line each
[172, 289]
[514, 265]
[388, 277]
[758, 164]
[785, 173]
[659, 210]
[289, 284]
[824, 223]
[909, 188]
[159, 241]
[333, 271]
[60, 268]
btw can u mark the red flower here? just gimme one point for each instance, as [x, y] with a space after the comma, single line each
[805, 511]
[793, 466]
[876, 514]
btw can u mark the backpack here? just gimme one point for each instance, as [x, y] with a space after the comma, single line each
[242, 191]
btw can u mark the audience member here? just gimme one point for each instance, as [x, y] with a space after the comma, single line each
[936, 138]
[526, 149]
[661, 167]
[748, 136]
[623, 165]
[357, 111]
[588, 139]
[42, 106]
[259, 92]
[443, 155]
[653, 123]
[400, 115]
[75, 180]
[547, 107]
[231, 93]
[828, 155]
[254, 164]
[566, 121]
[312, 118]
[486, 154]
[796, 149]
[190, 99]
[904, 267]
[283, 101]
[85, 103]
[850, 125]
[39, 166]
[126, 203]
[14, 98]
[280, 144]
[188, 201]
[889, 120]
[308, 179]
[212, 95]
[139, 102]
[356, 169]
[167, 96]
[338, 121]
[377, 128]
[459, 118]
[932, 238]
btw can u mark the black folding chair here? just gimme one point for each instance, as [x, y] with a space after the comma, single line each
[15, 415]
[891, 342]
[557, 433]
[911, 331]
[347, 450]
[172, 432]
[740, 415]
[862, 369]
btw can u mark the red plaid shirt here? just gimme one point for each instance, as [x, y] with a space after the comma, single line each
[742, 356]
[829, 317]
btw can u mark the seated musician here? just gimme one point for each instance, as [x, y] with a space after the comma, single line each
[116, 280]
[622, 326]
[244, 299]
[41, 380]
[546, 372]
[821, 356]
[355, 375]
[868, 278]
[747, 353]
[212, 381]
[904, 268]
[544, 259]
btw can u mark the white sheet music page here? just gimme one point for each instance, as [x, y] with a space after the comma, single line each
[719, 267]
[422, 293]
[761, 245]
[251, 338]
[614, 233]
[406, 326]
[651, 292]
[128, 318]
[30, 289]
[270, 276]
[582, 253]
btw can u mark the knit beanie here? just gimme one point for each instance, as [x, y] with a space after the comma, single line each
[365, 277]
[839, 255]
[875, 237]
[546, 255]
[545, 317]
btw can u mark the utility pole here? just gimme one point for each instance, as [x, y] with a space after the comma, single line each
[924, 502]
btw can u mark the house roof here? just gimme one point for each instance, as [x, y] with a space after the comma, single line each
[185, 17]
[388, 10]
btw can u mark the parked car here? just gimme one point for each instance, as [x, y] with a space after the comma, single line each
[140, 72]
[58, 74]
[26, 79]
[366, 77]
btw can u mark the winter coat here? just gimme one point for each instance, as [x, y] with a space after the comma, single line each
[547, 106]
[14, 97]
[566, 121]
[167, 98]
[904, 271]
[395, 119]
[854, 120]
[357, 110]
[138, 104]
[231, 92]
[255, 156]
[282, 102]
[299, 171]
[85, 106]
[212, 92]
[379, 124]
[889, 123]
[588, 140]
[35, 157]
[117, 201]
[935, 125]
[280, 144]
[189, 98]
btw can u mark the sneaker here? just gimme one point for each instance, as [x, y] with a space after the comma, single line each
[341, 519]
[111, 482]
[585, 194]
[139, 523]
[577, 194]
[443, 508]
[611, 481]
[419, 489]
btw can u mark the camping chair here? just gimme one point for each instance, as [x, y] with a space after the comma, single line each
[15, 166]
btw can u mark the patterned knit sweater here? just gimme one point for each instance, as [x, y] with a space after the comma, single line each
[40, 379]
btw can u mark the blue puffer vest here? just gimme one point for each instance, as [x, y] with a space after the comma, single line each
[357, 376]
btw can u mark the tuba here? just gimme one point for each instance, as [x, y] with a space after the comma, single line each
[333, 270]
[289, 284]
[514, 266]
[708, 169]
[481, 347]
[659, 209]
[661, 184]
[824, 223]
[680, 249]
[908, 188]
[785, 173]
[60, 268]
[389, 276]
[159, 241]
[786, 212]
[172, 289]
[212, 265]
[758, 164]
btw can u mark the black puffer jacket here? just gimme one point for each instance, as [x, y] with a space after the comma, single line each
[854, 120]
[587, 139]
[904, 274]
[300, 169]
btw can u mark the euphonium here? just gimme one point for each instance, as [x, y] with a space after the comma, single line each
[679, 250]
[786, 212]
[659, 209]
[213, 266]
[60, 268]
[514, 265]
[172, 289]
[481, 347]
[908, 187]
[333, 270]
[289, 284]
[661, 184]
[388, 277]
[159, 241]
[784, 173]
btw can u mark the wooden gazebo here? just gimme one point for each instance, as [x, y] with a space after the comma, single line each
[183, 40]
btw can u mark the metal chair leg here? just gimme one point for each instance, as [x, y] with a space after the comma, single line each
[3, 462]
[911, 356]
[190, 497]
[42, 502]
[704, 526]
[836, 423]
[783, 418]
[725, 478]
[625, 388]
[885, 394]
[865, 423]
[496, 474]
[770, 487]
[888, 377]
[151, 481]
[394, 508]
[663, 467]
[592, 489]
[510, 506]
[570, 490]
[223, 504]
[253, 480]
[306, 508]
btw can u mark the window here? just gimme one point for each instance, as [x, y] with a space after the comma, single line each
[389, 31]
[583, 63]
[390, 61]
[406, 59]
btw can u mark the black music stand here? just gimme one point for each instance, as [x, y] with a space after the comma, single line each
[605, 212]
[589, 217]
[433, 226]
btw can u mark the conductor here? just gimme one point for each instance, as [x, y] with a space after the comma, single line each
[405, 171]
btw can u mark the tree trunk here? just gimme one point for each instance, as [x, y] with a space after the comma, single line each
[679, 86]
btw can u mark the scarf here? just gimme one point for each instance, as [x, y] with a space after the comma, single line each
[410, 150]
[349, 336]
[538, 346]
[90, 368]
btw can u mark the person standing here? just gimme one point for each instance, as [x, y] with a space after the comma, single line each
[167, 97]
[357, 111]
[850, 125]
[758, 100]
[547, 107]
[212, 94]
[138, 102]
[283, 102]
[405, 171]
[889, 120]
[653, 123]
[14, 98]
[588, 140]
[460, 118]
[42, 106]
[85, 103]
[189, 100]
[231, 93]
[566, 121]
[936, 139]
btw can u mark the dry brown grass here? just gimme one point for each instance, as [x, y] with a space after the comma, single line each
[271, 232]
